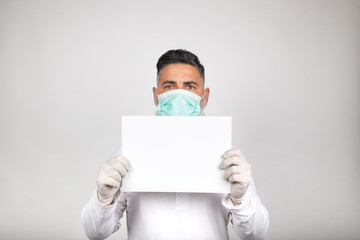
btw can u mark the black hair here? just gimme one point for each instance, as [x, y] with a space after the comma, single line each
[180, 56]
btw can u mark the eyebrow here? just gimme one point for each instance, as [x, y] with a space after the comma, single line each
[174, 82]
[167, 82]
[191, 82]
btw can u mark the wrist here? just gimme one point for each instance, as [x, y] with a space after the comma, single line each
[234, 202]
[238, 200]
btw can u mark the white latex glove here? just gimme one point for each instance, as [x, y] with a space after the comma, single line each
[110, 178]
[237, 172]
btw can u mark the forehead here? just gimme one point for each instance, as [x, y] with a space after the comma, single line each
[179, 71]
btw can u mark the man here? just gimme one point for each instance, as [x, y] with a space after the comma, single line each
[180, 91]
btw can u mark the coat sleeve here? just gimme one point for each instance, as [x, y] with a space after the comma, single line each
[100, 221]
[250, 219]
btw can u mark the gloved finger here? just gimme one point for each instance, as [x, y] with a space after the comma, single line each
[242, 178]
[115, 175]
[231, 171]
[231, 161]
[233, 152]
[108, 181]
[244, 168]
[119, 167]
[125, 162]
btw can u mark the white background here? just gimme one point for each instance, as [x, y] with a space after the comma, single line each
[287, 71]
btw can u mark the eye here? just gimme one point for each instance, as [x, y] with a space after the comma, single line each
[190, 87]
[168, 87]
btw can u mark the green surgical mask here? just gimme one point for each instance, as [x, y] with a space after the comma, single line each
[178, 102]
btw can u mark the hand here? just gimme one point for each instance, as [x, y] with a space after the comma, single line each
[237, 172]
[110, 178]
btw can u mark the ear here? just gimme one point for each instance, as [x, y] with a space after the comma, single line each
[206, 94]
[156, 100]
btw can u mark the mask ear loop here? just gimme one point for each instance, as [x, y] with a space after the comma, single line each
[203, 102]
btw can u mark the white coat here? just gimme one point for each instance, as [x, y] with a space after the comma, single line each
[177, 216]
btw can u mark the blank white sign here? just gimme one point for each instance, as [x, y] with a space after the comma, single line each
[175, 154]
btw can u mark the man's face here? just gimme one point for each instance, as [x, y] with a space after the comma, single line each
[180, 76]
